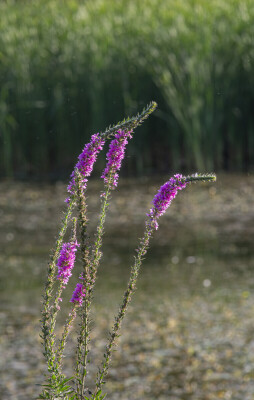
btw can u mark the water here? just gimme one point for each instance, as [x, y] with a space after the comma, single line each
[190, 329]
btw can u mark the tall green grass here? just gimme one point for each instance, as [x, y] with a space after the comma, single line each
[68, 68]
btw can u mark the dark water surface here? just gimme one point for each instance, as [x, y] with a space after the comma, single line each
[189, 333]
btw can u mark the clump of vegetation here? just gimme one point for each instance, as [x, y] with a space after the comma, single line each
[72, 67]
[64, 257]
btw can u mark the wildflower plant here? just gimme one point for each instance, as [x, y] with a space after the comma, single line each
[63, 258]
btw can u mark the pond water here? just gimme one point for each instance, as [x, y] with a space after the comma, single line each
[189, 333]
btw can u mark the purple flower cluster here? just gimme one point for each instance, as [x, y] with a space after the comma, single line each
[164, 197]
[79, 294]
[115, 156]
[66, 261]
[86, 161]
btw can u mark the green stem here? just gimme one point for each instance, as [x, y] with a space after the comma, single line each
[67, 328]
[85, 335]
[83, 339]
[90, 272]
[123, 308]
[46, 313]
[131, 123]
[55, 307]
[96, 256]
[200, 178]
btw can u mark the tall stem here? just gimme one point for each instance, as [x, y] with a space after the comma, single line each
[96, 256]
[56, 307]
[90, 264]
[67, 328]
[122, 310]
[83, 339]
[46, 313]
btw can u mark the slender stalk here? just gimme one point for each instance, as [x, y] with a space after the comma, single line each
[56, 307]
[131, 123]
[142, 249]
[82, 349]
[83, 222]
[90, 267]
[46, 312]
[83, 339]
[96, 256]
[200, 178]
[85, 348]
[67, 328]
[90, 264]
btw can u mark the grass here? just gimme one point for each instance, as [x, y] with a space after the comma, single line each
[70, 68]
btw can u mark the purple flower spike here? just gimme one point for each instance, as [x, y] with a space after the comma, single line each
[164, 197]
[86, 161]
[115, 156]
[79, 294]
[66, 261]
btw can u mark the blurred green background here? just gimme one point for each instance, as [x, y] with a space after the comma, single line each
[71, 68]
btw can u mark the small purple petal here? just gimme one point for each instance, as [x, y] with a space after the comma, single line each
[164, 197]
[86, 161]
[79, 294]
[115, 156]
[66, 261]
